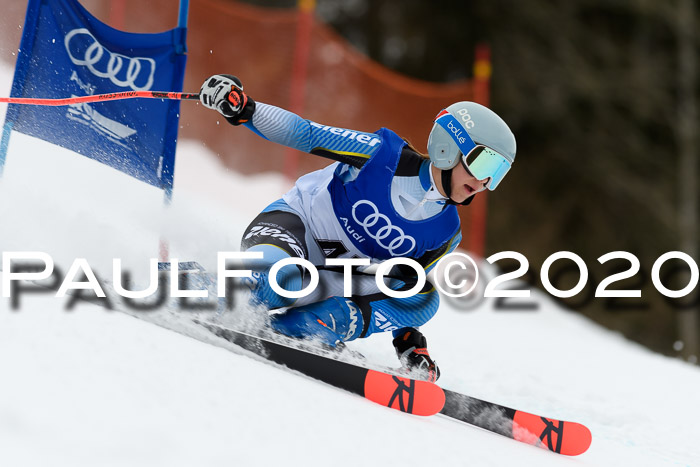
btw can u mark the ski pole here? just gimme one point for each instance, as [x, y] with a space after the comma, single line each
[100, 98]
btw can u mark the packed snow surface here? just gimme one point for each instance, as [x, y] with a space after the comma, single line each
[95, 387]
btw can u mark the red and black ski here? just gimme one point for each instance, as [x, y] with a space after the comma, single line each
[404, 394]
[410, 395]
[558, 436]
[418, 397]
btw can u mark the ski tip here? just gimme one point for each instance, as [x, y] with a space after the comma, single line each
[404, 394]
[568, 438]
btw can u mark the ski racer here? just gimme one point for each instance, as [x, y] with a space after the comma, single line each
[380, 199]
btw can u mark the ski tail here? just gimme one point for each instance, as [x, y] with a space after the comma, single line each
[562, 437]
[569, 438]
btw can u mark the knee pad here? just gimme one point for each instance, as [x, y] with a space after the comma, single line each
[289, 278]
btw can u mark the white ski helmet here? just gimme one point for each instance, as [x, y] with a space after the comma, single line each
[474, 135]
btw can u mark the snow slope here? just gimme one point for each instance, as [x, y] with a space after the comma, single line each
[94, 387]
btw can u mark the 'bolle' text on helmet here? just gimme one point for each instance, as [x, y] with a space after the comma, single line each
[482, 125]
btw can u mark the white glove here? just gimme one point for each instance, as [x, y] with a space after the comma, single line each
[225, 94]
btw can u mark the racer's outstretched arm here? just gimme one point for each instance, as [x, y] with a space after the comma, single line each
[225, 94]
[286, 128]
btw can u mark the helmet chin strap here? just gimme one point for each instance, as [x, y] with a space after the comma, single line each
[447, 186]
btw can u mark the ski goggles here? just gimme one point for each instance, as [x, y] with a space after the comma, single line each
[479, 160]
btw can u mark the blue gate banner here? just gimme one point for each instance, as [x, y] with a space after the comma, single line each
[66, 52]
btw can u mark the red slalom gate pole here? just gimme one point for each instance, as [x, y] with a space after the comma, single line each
[100, 98]
[300, 62]
[117, 14]
[476, 242]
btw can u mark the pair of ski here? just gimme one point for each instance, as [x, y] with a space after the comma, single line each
[415, 396]
[404, 394]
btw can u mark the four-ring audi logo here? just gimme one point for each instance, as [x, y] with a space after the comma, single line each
[379, 227]
[83, 49]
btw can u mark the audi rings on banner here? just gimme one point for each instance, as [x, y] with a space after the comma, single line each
[83, 49]
[388, 236]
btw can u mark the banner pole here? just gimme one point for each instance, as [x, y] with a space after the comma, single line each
[183, 14]
[4, 144]
[164, 245]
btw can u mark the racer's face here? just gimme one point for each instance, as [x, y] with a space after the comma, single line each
[464, 184]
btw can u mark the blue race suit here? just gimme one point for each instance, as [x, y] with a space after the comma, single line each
[378, 201]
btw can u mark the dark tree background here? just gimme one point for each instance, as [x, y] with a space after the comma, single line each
[591, 89]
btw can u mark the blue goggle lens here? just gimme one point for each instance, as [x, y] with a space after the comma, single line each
[483, 163]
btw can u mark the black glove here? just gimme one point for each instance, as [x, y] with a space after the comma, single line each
[411, 347]
[225, 94]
